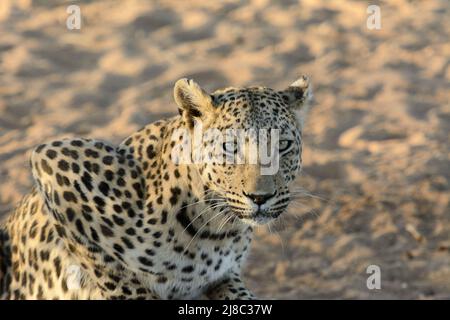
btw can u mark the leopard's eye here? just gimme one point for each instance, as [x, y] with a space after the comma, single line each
[229, 147]
[285, 145]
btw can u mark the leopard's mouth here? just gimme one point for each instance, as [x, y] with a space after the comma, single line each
[259, 216]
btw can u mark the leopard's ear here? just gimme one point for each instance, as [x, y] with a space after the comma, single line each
[299, 94]
[194, 103]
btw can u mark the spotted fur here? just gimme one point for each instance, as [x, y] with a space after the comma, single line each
[126, 222]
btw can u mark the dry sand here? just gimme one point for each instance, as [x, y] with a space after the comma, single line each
[376, 141]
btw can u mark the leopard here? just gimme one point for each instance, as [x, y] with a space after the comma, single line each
[132, 221]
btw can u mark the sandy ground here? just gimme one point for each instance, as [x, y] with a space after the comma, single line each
[376, 143]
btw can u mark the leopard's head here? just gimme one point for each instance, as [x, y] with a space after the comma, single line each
[247, 144]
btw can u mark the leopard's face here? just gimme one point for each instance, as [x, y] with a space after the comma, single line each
[255, 189]
[250, 147]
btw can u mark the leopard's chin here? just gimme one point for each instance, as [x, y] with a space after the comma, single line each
[257, 221]
[260, 218]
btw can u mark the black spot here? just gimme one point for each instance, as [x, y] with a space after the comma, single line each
[128, 243]
[118, 248]
[78, 188]
[76, 143]
[75, 168]
[187, 269]
[56, 198]
[57, 264]
[99, 201]
[46, 167]
[163, 217]
[108, 258]
[126, 205]
[175, 193]
[60, 230]
[87, 181]
[70, 196]
[70, 153]
[70, 213]
[87, 216]
[118, 220]
[178, 249]
[110, 286]
[172, 267]
[108, 160]
[79, 226]
[56, 143]
[109, 175]
[104, 188]
[94, 235]
[162, 279]
[95, 168]
[87, 165]
[91, 153]
[138, 188]
[131, 213]
[121, 182]
[141, 291]
[107, 232]
[151, 151]
[157, 244]
[145, 261]
[139, 223]
[86, 208]
[51, 153]
[126, 291]
[39, 148]
[59, 179]
[157, 234]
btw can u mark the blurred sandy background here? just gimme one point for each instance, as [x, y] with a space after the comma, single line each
[377, 140]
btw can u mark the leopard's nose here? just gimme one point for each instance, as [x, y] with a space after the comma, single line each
[259, 199]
